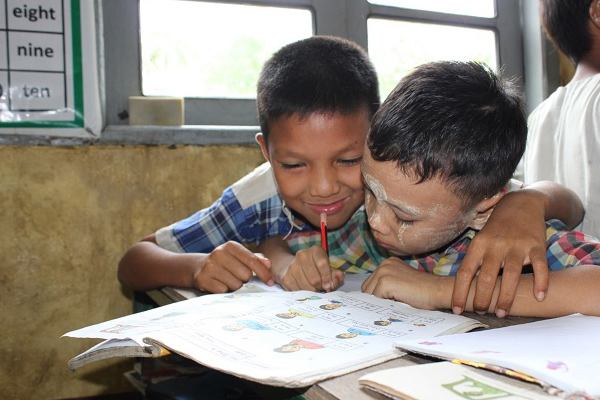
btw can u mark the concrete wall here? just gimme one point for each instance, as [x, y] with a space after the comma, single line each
[67, 215]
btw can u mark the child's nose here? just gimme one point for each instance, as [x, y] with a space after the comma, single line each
[324, 182]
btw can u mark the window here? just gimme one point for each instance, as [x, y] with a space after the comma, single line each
[416, 43]
[475, 8]
[399, 34]
[413, 32]
[212, 50]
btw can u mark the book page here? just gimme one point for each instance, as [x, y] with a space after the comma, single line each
[288, 339]
[352, 283]
[563, 352]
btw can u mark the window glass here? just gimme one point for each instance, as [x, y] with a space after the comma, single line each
[396, 47]
[216, 50]
[476, 8]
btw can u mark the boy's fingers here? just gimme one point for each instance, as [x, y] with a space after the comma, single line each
[289, 282]
[295, 277]
[214, 286]
[541, 277]
[234, 270]
[338, 277]
[249, 260]
[321, 261]
[370, 283]
[304, 281]
[222, 282]
[462, 284]
[508, 286]
[486, 283]
[365, 285]
[262, 269]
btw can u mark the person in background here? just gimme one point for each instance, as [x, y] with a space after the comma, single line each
[564, 130]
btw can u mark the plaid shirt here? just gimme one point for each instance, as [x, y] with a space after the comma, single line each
[352, 248]
[248, 212]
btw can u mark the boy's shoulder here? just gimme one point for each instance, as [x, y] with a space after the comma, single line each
[574, 97]
[259, 185]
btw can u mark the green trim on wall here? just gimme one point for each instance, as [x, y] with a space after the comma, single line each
[77, 81]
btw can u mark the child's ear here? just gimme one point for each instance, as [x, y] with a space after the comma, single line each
[595, 13]
[260, 139]
[484, 209]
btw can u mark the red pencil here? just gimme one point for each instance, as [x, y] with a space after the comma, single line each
[324, 233]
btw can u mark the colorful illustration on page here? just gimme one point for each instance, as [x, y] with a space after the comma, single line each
[298, 344]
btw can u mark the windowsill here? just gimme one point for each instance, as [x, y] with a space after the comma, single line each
[200, 135]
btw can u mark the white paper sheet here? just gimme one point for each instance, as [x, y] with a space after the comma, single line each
[563, 352]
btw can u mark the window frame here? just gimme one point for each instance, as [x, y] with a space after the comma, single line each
[234, 121]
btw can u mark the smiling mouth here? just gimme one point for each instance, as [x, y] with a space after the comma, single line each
[330, 208]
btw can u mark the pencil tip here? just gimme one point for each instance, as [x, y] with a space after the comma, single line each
[324, 218]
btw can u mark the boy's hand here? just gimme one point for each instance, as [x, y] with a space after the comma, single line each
[514, 236]
[396, 280]
[228, 267]
[310, 270]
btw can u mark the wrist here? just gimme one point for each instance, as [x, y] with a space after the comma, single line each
[192, 264]
[280, 267]
[442, 292]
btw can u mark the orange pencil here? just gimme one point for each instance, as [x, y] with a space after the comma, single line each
[324, 233]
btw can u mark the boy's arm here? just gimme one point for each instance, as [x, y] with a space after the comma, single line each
[147, 266]
[308, 269]
[572, 290]
[560, 202]
[514, 236]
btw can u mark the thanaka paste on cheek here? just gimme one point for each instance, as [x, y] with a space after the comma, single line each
[435, 238]
[379, 195]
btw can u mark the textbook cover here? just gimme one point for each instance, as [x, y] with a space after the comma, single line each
[290, 339]
[560, 354]
[448, 381]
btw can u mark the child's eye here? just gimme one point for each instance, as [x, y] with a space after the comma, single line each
[290, 165]
[403, 221]
[351, 161]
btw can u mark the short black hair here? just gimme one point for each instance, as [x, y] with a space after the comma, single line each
[455, 120]
[567, 25]
[321, 74]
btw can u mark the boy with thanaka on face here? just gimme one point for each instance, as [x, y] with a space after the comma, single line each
[316, 98]
[440, 154]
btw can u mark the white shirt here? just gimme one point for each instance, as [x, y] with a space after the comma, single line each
[563, 145]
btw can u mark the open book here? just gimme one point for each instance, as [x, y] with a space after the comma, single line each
[167, 295]
[560, 354]
[290, 339]
[446, 381]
